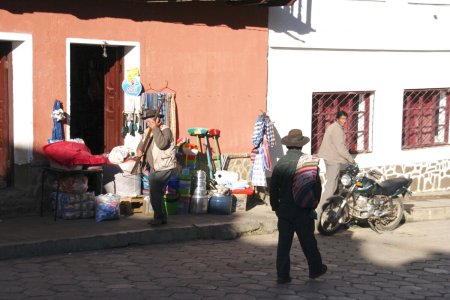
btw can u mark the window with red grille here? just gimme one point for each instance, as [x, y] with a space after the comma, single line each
[357, 105]
[425, 118]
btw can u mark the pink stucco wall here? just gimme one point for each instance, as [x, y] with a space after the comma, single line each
[212, 54]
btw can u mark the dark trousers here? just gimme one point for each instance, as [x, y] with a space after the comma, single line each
[158, 180]
[298, 221]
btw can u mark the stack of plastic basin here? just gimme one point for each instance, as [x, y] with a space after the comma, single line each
[171, 195]
[185, 191]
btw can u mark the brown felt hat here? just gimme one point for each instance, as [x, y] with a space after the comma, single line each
[295, 138]
[149, 113]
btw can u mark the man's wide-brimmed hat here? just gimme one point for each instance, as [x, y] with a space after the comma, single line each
[149, 113]
[295, 138]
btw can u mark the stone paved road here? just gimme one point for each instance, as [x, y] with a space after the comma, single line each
[412, 262]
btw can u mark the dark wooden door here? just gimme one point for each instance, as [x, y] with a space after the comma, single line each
[113, 98]
[5, 112]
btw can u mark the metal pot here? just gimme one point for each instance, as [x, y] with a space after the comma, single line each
[199, 204]
[200, 183]
[199, 191]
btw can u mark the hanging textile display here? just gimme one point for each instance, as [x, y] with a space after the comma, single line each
[168, 110]
[263, 137]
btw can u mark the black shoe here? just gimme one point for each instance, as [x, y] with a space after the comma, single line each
[157, 222]
[318, 274]
[283, 280]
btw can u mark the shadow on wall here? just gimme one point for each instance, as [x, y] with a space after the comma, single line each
[290, 18]
[210, 13]
[276, 152]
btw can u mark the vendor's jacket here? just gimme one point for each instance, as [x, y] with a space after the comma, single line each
[333, 147]
[281, 182]
[161, 155]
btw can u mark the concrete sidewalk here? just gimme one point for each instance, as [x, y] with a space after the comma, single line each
[34, 235]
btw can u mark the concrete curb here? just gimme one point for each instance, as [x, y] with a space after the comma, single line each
[220, 231]
[426, 214]
[258, 223]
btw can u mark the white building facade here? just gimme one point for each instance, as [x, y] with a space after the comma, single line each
[385, 62]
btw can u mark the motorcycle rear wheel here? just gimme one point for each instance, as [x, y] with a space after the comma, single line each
[390, 221]
[329, 222]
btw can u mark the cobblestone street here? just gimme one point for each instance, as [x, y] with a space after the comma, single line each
[412, 262]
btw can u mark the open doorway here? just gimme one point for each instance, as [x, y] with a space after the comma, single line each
[6, 136]
[96, 97]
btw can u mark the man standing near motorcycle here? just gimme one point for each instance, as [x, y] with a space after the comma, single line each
[290, 217]
[335, 154]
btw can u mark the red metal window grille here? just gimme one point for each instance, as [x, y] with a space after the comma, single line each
[357, 105]
[425, 118]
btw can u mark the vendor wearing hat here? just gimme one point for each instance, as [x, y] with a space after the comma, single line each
[290, 217]
[161, 162]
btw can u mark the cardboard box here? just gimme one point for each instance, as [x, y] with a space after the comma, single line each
[135, 204]
[239, 202]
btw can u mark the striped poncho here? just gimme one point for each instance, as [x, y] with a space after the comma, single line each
[306, 185]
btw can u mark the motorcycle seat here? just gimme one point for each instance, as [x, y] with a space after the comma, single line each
[390, 186]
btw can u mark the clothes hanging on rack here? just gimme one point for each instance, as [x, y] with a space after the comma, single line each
[258, 129]
[171, 113]
[258, 171]
[263, 126]
[168, 109]
[263, 137]
[152, 100]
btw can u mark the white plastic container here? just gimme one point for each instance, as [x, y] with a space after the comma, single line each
[225, 177]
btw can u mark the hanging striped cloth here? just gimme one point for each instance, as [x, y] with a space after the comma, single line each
[258, 131]
[267, 162]
[270, 131]
[172, 114]
[168, 109]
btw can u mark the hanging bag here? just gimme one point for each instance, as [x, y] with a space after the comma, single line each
[306, 185]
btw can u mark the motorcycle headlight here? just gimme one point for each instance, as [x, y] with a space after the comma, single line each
[346, 180]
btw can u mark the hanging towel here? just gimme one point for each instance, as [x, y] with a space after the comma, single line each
[152, 100]
[172, 114]
[270, 132]
[253, 154]
[258, 174]
[258, 131]
[267, 162]
[162, 97]
[263, 137]
[168, 109]
[263, 127]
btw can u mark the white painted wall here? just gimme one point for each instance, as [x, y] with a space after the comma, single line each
[344, 45]
[22, 62]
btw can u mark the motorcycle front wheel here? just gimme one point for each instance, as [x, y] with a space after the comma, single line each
[392, 219]
[329, 222]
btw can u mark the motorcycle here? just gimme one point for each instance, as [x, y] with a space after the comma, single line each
[361, 198]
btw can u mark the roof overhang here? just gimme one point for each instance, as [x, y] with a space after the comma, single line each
[231, 2]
